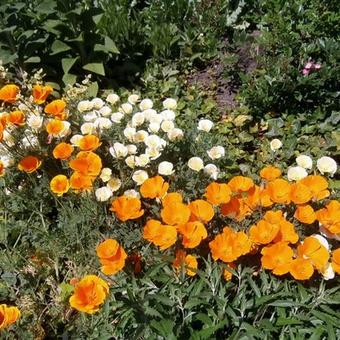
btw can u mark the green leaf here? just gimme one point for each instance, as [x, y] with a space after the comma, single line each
[59, 47]
[95, 68]
[165, 328]
[110, 45]
[67, 63]
[33, 60]
[66, 290]
[69, 79]
[92, 90]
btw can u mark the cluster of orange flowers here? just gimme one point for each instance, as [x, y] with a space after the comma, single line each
[272, 236]
[8, 315]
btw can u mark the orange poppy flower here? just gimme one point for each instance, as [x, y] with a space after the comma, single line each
[286, 233]
[154, 187]
[60, 185]
[317, 185]
[301, 269]
[227, 274]
[8, 315]
[89, 294]
[279, 191]
[163, 236]
[229, 245]
[313, 250]
[172, 197]
[305, 214]
[127, 208]
[329, 217]
[269, 173]
[29, 164]
[277, 257]
[16, 118]
[236, 209]
[299, 193]
[336, 260]
[9, 93]
[80, 182]
[87, 163]
[2, 169]
[218, 193]
[56, 108]
[265, 200]
[112, 256]
[89, 143]
[273, 216]
[175, 213]
[188, 262]
[240, 184]
[201, 211]
[62, 151]
[40, 93]
[193, 233]
[55, 127]
[263, 232]
[2, 128]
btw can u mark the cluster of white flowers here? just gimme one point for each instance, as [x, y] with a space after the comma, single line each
[147, 133]
[326, 165]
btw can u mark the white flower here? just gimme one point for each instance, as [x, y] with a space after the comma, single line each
[112, 98]
[75, 139]
[97, 103]
[137, 119]
[35, 122]
[153, 141]
[90, 117]
[129, 133]
[87, 128]
[7, 161]
[168, 115]
[140, 176]
[142, 160]
[105, 111]
[103, 123]
[304, 161]
[103, 194]
[322, 240]
[140, 136]
[157, 118]
[326, 165]
[211, 170]
[131, 161]
[132, 193]
[118, 150]
[205, 125]
[275, 144]
[28, 141]
[165, 168]
[195, 163]
[105, 174]
[114, 184]
[153, 153]
[175, 134]
[216, 152]
[149, 114]
[133, 99]
[154, 127]
[126, 108]
[167, 125]
[170, 104]
[117, 117]
[328, 273]
[146, 104]
[84, 105]
[132, 149]
[295, 173]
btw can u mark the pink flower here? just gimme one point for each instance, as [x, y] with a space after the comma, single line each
[305, 72]
[309, 65]
[317, 66]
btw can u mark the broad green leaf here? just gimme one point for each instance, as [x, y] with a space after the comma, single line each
[95, 68]
[69, 79]
[67, 64]
[33, 60]
[59, 47]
